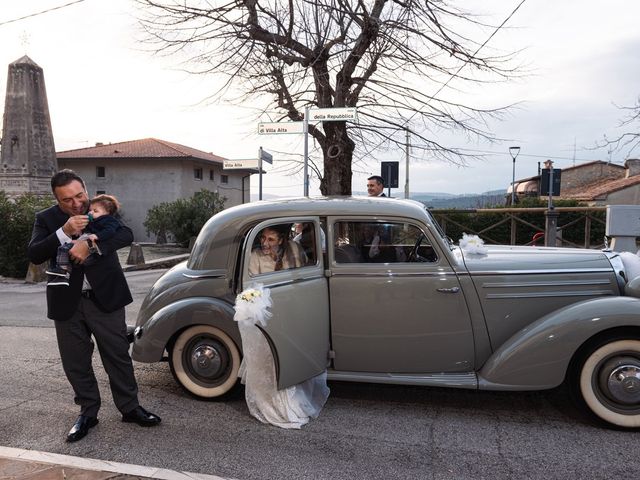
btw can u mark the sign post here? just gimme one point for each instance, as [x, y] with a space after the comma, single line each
[306, 151]
[551, 224]
[267, 157]
[316, 115]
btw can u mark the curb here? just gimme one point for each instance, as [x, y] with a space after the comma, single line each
[166, 262]
[101, 465]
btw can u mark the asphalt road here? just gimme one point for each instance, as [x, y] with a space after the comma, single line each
[364, 431]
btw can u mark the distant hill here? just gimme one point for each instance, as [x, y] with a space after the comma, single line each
[437, 199]
[467, 201]
[480, 200]
[450, 200]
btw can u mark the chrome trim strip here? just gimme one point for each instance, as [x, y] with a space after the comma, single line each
[455, 380]
[549, 294]
[334, 273]
[535, 272]
[292, 281]
[547, 284]
[204, 275]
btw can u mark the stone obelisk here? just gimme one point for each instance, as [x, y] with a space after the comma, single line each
[28, 154]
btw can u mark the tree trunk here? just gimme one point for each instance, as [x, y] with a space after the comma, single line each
[337, 150]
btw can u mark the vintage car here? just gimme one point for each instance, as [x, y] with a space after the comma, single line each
[385, 297]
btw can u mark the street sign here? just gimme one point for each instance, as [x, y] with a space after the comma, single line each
[251, 163]
[389, 171]
[332, 114]
[266, 156]
[544, 182]
[280, 128]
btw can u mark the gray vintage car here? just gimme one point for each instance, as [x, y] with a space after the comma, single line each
[384, 296]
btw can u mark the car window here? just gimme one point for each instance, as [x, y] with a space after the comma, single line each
[380, 242]
[283, 246]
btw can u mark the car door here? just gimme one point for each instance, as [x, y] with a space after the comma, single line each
[391, 313]
[298, 331]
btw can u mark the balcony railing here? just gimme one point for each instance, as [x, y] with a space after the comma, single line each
[581, 227]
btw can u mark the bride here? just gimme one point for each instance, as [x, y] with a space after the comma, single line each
[288, 408]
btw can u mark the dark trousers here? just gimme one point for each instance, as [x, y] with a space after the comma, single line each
[76, 350]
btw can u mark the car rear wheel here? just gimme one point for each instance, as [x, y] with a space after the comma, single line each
[606, 380]
[205, 361]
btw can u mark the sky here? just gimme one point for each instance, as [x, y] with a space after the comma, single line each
[103, 85]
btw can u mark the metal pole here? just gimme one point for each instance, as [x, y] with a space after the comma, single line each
[388, 180]
[513, 151]
[513, 183]
[305, 129]
[406, 183]
[551, 227]
[260, 173]
[551, 188]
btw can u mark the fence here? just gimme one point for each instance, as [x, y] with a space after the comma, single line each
[581, 227]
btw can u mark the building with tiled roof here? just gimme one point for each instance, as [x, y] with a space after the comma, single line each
[592, 183]
[144, 173]
[621, 191]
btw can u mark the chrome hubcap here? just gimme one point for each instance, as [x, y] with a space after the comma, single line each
[622, 380]
[206, 361]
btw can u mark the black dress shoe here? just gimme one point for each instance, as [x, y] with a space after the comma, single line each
[81, 428]
[140, 416]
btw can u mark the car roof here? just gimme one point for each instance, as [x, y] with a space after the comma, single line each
[220, 233]
[333, 205]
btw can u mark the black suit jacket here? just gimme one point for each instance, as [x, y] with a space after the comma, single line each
[107, 280]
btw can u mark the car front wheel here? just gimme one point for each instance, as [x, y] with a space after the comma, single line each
[606, 379]
[205, 361]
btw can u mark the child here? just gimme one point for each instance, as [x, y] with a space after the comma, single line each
[102, 226]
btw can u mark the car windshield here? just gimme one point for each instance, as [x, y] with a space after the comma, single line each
[438, 228]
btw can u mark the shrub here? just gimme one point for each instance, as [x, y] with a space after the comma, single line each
[183, 218]
[16, 218]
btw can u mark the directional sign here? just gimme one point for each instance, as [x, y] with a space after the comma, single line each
[251, 163]
[266, 156]
[280, 128]
[333, 114]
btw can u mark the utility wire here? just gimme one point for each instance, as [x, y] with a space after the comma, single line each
[525, 155]
[463, 65]
[532, 155]
[40, 13]
[477, 50]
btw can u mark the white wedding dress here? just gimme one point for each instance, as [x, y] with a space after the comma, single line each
[288, 408]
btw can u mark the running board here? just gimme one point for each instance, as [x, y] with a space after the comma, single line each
[455, 380]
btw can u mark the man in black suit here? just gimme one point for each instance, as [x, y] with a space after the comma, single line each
[375, 186]
[92, 304]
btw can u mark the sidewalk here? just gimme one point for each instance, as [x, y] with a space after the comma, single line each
[18, 464]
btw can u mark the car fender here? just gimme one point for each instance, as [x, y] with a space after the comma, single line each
[537, 357]
[150, 343]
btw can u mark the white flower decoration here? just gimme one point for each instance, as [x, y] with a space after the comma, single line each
[253, 304]
[472, 244]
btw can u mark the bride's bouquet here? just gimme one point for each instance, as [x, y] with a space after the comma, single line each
[252, 305]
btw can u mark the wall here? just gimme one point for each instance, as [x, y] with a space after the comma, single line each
[626, 196]
[142, 183]
[587, 174]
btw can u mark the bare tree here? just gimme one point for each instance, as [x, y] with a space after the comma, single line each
[381, 56]
[628, 140]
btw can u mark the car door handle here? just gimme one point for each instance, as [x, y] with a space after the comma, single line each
[448, 290]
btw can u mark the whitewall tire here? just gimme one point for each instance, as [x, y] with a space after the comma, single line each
[608, 381]
[205, 361]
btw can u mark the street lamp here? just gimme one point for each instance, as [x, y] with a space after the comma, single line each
[514, 151]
